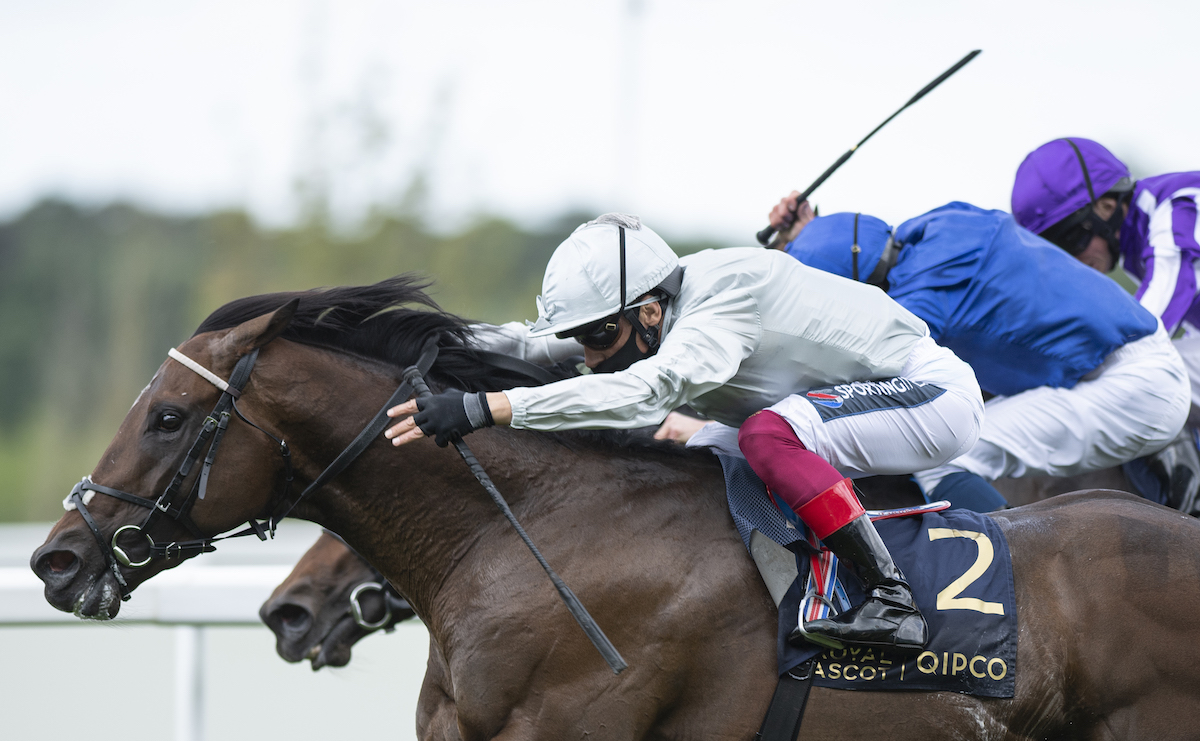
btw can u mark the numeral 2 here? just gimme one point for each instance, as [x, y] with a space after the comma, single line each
[948, 598]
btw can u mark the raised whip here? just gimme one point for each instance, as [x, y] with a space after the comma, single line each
[764, 236]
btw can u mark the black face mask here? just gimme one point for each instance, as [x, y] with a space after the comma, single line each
[630, 353]
[1075, 232]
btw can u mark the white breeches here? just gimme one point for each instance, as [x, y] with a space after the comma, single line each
[1131, 406]
[885, 441]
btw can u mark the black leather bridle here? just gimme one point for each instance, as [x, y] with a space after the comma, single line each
[176, 505]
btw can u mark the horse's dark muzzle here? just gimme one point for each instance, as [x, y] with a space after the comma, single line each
[60, 568]
[338, 643]
[73, 587]
[291, 624]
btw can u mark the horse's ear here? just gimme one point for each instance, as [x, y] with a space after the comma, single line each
[258, 331]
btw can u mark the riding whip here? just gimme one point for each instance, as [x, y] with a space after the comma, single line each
[578, 611]
[764, 236]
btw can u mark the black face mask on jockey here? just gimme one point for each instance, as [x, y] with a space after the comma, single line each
[1075, 232]
[630, 353]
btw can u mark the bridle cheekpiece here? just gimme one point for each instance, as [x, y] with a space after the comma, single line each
[175, 505]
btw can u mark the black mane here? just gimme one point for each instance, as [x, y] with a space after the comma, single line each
[388, 321]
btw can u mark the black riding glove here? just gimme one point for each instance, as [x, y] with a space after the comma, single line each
[451, 414]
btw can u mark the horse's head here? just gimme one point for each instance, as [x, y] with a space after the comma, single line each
[126, 522]
[202, 448]
[332, 599]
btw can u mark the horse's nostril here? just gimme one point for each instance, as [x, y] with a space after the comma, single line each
[60, 561]
[292, 616]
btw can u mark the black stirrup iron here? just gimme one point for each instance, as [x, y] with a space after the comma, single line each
[413, 375]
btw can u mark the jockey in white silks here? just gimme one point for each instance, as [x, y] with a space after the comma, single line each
[826, 379]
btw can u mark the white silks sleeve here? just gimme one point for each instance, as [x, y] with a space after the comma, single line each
[513, 339]
[700, 352]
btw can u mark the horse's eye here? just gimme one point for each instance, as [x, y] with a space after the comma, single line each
[169, 421]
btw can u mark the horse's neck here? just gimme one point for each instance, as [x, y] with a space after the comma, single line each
[428, 522]
[389, 505]
[419, 515]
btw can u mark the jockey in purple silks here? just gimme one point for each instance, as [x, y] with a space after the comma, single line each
[1079, 196]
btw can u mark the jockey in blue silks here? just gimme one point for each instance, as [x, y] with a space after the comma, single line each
[1078, 195]
[1084, 378]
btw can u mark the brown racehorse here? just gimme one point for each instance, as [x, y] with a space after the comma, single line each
[1108, 586]
[310, 611]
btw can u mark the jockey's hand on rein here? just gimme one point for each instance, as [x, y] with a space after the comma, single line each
[451, 414]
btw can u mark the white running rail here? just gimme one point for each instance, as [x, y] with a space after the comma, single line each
[222, 588]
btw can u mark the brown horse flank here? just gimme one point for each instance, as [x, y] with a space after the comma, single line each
[310, 611]
[1107, 586]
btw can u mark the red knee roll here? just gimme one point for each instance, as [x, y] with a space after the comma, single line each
[832, 509]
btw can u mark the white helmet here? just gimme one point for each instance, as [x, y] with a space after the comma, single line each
[586, 272]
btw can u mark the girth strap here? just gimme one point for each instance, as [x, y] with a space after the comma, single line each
[786, 712]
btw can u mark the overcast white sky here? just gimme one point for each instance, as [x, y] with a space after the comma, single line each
[697, 114]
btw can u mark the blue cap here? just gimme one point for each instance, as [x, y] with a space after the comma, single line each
[826, 244]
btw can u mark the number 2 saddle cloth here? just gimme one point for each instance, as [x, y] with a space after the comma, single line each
[958, 565]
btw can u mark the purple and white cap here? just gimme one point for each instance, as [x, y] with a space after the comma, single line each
[1051, 185]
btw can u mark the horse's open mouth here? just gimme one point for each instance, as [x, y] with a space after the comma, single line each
[100, 598]
[334, 649]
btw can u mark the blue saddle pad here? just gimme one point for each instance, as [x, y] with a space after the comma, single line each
[960, 570]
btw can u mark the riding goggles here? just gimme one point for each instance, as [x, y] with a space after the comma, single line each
[597, 335]
[602, 333]
[1075, 232]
